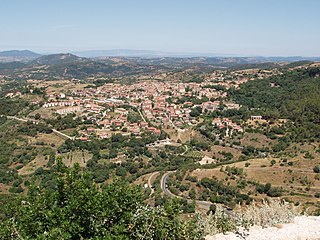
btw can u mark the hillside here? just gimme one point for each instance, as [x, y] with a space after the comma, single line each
[18, 56]
[54, 59]
[293, 95]
[19, 53]
[70, 66]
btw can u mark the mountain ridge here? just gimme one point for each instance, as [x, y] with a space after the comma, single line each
[19, 53]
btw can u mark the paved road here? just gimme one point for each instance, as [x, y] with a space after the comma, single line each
[201, 204]
[22, 119]
[60, 134]
[186, 146]
[150, 181]
[141, 115]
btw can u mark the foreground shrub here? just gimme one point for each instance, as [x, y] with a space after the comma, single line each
[77, 208]
[164, 223]
[267, 214]
[219, 222]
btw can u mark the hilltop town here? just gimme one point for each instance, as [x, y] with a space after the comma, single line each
[209, 138]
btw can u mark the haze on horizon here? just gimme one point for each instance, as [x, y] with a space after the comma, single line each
[248, 27]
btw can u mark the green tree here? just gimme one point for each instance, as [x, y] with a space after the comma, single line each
[213, 208]
[77, 209]
[316, 169]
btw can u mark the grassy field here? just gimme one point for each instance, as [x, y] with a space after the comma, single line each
[216, 152]
[32, 166]
[256, 140]
[80, 157]
[45, 113]
[184, 136]
[48, 139]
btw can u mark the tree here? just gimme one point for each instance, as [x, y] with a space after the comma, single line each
[213, 208]
[195, 112]
[267, 187]
[316, 169]
[77, 209]
[37, 116]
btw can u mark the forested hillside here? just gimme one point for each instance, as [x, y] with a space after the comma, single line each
[293, 95]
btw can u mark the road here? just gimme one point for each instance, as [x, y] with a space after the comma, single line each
[141, 115]
[21, 119]
[201, 204]
[62, 135]
[150, 181]
[58, 133]
[186, 146]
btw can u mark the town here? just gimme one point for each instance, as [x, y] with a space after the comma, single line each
[156, 104]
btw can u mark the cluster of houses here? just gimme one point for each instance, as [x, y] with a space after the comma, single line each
[235, 78]
[150, 99]
[226, 123]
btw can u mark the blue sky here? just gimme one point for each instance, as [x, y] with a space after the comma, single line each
[240, 27]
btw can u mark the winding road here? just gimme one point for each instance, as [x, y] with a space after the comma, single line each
[150, 181]
[201, 204]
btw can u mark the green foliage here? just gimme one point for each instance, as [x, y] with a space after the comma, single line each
[164, 223]
[200, 145]
[213, 208]
[316, 169]
[12, 106]
[296, 97]
[269, 190]
[221, 193]
[134, 117]
[76, 209]
[195, 112]
[234, 171]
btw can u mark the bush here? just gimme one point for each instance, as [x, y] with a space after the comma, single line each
[79, 209]
[316, 169]
[163, 222]
[16, 189]
[266, 215]
[274, 192]
[220, 222]
[212, 209]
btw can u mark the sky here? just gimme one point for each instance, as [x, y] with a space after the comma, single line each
[222, 27]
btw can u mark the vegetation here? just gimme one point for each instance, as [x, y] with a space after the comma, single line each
[293, 95]
[76, 208]
[43, 199]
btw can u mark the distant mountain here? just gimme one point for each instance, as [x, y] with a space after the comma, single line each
[159, 54]
[54, 59]
[17, 56]
[287, 59]
[131, 53]
[69, 66]
[112, 63]
[19, 53]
